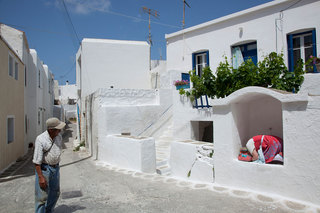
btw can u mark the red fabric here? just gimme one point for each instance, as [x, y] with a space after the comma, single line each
[245, 156]
[271, 146]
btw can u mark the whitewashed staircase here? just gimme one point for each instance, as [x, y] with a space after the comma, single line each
[163, 151]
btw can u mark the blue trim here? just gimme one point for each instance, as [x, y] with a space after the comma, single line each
[185, 76]
[208, 62]
[290, 48]
[194, 55]
[314, 49]
[247, 54]
[193, 61]
[290, 52]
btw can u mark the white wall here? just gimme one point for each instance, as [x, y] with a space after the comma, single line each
[106, 63]
[298, 178]
[258, 24]
[116, 111]
[68, 91]
[40, 126]
[31, 99]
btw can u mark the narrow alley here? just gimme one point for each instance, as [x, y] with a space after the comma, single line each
[87, 186]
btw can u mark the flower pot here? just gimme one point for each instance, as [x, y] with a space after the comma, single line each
[186, 86]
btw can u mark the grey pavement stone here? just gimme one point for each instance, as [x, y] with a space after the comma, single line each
[88, 187]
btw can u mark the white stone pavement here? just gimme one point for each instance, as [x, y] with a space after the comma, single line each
[90, 186]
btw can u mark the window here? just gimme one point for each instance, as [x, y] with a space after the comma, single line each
[244, 52]
[16, 70]
[200, 60]
[301, 46]
[10, 65]
[10, 129]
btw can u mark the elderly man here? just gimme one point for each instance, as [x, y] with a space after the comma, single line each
[46, 158]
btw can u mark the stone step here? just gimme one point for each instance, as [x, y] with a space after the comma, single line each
[161, 162]
[164, 170]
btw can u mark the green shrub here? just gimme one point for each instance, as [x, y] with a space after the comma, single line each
[271, 72]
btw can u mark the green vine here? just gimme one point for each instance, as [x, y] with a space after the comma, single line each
[271, 72]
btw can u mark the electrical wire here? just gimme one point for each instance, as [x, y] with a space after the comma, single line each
[291, 5]
[69, 71]
[68, 15]
[127, 16]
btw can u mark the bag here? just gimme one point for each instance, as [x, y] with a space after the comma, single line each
[245, 156]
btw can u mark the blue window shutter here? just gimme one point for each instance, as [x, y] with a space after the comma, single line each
[207, 53]
[314, 46]
[185, 76]
[193, 61]
[290, 53]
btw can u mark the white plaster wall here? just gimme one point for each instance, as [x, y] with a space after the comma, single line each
[136, 153]
[190, 160]
[39, 91]
[310, 85]
[184, 113]
[261, 115]
[258, 24]
[31, 99]
[68, 92]
[106, 63]
[48, 95]
[298, 178]
[14, 38]
[158, 69]
[139, 112]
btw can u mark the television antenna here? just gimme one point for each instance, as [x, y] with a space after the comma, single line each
[184, 11]
[154, 13]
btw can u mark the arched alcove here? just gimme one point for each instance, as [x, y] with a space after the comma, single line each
[256, 114]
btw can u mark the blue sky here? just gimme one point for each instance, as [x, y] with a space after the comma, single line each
[50, 32]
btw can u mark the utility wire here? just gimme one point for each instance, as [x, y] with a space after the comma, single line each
[291, 5]
[69, 71]
[127, 16]
[66, 9]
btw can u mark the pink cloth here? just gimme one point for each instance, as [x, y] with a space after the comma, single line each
[271, 146]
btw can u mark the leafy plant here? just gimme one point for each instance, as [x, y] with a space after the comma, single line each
[271, 72]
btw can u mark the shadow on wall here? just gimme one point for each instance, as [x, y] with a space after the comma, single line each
[202, 131]
[257, 115]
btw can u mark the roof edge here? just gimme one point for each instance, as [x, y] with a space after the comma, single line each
[227, 17]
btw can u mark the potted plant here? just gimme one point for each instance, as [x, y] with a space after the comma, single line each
[182, 84]
[316, 62]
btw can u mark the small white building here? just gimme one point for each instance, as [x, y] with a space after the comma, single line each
[68, 93]
[105, 63]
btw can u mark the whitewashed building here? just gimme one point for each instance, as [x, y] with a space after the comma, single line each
[105, 63]
[286, 26]
[278, 26]
[44, 92]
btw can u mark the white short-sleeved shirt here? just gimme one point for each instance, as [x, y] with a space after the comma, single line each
[42, 144]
